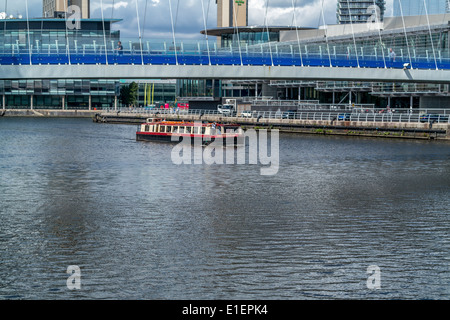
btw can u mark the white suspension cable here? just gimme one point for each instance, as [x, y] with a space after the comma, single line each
[104, 32]
[268, 35]
[326, 36]
[145, 18]
[206, 32]
[207, 11]
[67, 32]
[139, 31]
[176, 16]
[406, 36]
[235, 13]
[431, 37]
[378, 21]
[6, 12]
[443, 22]
[173, 32]
[42, 30]
[353, 33]
[28, 32]
[112, 9]
[296, 30]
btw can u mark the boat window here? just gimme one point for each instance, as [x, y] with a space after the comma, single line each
[181, 130]
[196, 130]
[203, 130]
[146, 128]
[188, 129]
[162, 129]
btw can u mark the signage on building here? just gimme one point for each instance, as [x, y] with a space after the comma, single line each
[239, 2]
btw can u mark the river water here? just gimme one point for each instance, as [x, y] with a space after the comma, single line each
[138, 226]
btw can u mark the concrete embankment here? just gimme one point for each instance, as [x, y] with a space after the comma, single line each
[405, 130]
[50, 113]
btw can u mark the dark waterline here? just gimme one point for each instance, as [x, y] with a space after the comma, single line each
[73, 192]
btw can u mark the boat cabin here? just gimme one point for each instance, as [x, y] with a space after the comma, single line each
[188, 128]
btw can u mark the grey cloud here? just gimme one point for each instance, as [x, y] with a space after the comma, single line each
[189, 20]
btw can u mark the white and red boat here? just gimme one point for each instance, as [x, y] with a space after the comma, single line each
[162, 130]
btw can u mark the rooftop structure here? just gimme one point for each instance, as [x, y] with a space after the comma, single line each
[248, 35]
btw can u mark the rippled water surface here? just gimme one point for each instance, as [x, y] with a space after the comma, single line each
[73, 192]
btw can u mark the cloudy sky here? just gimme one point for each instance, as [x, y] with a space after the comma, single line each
[155, 22]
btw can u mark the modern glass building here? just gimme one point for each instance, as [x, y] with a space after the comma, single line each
[52, 34]
[81, 94]
[59, 94]
[410, 37]
[44, 35]
[250, 35]
[420, 7]
[155, 92]
[360, 11]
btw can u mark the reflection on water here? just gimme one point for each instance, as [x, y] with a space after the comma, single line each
[77, 193]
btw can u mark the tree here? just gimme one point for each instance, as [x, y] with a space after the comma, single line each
[128, 94]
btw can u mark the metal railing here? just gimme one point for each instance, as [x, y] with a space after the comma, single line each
[63, 51]
[277, 103]
[411, 88]
[359, 115]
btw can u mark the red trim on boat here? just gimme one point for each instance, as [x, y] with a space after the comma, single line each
[187, 135]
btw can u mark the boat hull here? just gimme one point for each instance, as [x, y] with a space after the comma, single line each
[206, 140]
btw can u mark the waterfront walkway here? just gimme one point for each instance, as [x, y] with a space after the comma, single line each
[399, 125]
[375, 124]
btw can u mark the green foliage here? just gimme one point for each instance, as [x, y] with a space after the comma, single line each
[128, 94]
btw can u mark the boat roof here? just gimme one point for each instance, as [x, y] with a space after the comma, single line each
[189, 123]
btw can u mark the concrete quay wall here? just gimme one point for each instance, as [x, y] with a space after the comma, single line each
[49, 113]
[407, 130]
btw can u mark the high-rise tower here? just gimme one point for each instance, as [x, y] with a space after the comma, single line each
[52, 8]
[360, 11]
[232, 13]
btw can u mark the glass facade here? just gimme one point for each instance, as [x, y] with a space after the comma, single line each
[416, 44]
[249, 38]
[155, 93]
[54, 94]
[51, 35]
[198, 88]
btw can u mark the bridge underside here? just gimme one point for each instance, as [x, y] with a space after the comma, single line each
[75, 71]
